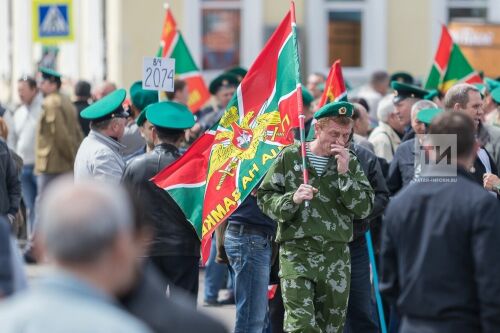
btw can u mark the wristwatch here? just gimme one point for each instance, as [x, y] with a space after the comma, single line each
[497, 188]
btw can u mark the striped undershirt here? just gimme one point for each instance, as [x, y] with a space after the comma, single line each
[318, 162]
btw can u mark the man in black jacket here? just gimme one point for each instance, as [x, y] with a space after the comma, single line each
[175, 249]
[360, 314]
[440, 247]
[10, 185]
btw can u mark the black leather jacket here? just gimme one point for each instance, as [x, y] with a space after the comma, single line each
[10, 185]
[370, 165]
[174, 235]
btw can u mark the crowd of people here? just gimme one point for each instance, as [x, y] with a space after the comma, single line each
[76, 193]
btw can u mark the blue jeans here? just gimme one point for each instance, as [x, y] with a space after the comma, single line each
[29, 188]
[250, 258]
[361, 312]
[215, 274]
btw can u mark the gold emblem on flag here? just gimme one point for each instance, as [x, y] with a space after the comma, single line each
[238, 142]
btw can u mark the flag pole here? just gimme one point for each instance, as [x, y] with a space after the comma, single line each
[165, 8]
[300, 106]
[378, 298]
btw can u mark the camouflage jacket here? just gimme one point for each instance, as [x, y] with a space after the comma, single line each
[329, 217]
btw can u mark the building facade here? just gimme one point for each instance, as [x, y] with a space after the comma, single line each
[112, 36]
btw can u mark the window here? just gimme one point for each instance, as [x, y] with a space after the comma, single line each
[221, 34]
[467, 10]
[349, 30]
[344, 37]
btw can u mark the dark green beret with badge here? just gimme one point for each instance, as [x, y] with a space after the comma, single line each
[50, 74]
[431, 94]
[170, 115]
[223, 80]
[403, 90]
[402, 77]
[307, 97]
[238, 71]
[335, 109]
[495, 95]
[110, 106]
[426, 115]
[141, 98]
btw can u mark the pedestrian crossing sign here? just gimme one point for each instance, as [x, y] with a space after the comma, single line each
[52, 21]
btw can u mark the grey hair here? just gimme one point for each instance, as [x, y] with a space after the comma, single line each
[458, 94]
[79, 222]
[420, 105]
[385, 108]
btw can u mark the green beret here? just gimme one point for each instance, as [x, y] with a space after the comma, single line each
[238, 71]
[491, 84]
[110, 106]
[307, 97]
[223, 80]
[170, 115]
[335, 109]
[495, 95]
[431, 94]
[403, 90]
[141, 119]
[481, 87]
[140, 97]
[402, 77]
[426, 115]
[49, 74]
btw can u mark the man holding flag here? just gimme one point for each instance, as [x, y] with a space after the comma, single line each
[315, 221]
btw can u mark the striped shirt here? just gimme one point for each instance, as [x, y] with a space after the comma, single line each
[318, 162]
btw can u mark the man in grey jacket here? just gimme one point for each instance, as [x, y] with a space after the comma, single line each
[99, 154]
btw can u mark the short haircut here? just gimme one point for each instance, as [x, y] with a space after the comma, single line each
[179, 85]
[356, 110]
[341, 120]
[379, 77]
[422, 104]
[30, 81]
[99, 125]
[56, 80]
[459, 124]
[361, 101]
[385, 108]
[458, 94]
[169, 134]
[81, 233]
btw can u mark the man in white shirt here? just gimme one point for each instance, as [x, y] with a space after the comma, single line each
[22, 139]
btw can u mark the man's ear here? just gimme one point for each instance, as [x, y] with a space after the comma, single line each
[457, 107]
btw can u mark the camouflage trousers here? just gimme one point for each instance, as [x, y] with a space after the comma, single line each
[315, 284]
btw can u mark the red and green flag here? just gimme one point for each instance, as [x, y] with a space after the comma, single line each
[334, 91]
[172, 45]
[450, 66]
[222, 167]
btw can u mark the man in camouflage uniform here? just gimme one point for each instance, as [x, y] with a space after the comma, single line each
[314, 256]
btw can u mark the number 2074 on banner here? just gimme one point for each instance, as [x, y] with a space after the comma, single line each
[158, 73]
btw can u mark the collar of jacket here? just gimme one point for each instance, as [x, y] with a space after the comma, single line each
[114, 145]
[482, 134]
[463, 172]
